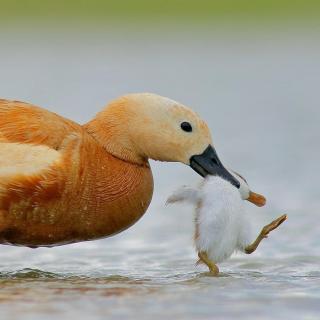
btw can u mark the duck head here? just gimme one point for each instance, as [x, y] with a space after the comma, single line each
[246, 193]
[137, 127]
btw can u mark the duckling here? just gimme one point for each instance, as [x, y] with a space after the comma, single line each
[222, 226]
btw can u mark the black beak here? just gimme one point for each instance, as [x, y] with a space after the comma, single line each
[209, 163]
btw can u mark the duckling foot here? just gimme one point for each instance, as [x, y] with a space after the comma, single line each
[214, 270]
[264, 233]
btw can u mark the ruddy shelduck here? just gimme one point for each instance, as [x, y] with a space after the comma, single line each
[62, 182]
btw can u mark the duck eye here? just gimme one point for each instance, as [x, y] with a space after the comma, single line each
[186, 126]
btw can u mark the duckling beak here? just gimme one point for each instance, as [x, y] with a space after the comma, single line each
[257, 199]
[209, 163]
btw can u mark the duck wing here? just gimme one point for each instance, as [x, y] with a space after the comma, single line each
[34, 173]
[25, 123]
[36, 148]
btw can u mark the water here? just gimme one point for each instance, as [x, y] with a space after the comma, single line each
[259, 92]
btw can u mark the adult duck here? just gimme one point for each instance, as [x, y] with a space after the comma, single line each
[62, 182]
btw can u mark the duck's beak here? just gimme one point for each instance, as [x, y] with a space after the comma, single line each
[257, 199]
[209, 163]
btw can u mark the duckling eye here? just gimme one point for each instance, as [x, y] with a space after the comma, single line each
[186, 126]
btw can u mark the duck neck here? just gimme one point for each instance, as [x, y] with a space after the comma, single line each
[112, 134]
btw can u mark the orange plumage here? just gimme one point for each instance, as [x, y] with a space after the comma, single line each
[85, 194]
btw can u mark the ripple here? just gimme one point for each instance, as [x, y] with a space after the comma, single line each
[29, 273]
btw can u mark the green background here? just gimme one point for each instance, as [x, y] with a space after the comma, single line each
[159, 10]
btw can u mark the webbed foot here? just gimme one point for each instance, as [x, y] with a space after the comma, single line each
[214, 270]
[265, 232]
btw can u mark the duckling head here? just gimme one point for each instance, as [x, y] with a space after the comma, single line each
[137, 127]
[246, 193]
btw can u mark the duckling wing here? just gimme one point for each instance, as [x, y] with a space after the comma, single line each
[185, 194]
[24, 123]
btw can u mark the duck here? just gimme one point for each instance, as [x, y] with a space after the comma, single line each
[222, 225]
[62, 182]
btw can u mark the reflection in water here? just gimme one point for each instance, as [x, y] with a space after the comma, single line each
[36, 285]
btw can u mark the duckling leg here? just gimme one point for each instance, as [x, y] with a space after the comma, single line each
[264, 233]
[211, 265]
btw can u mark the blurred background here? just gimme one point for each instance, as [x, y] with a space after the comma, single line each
[251, 69]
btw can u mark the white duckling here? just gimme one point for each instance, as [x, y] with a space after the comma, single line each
[222, 225]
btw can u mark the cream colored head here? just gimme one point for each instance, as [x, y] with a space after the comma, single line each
[137, 127]
[141, 126]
